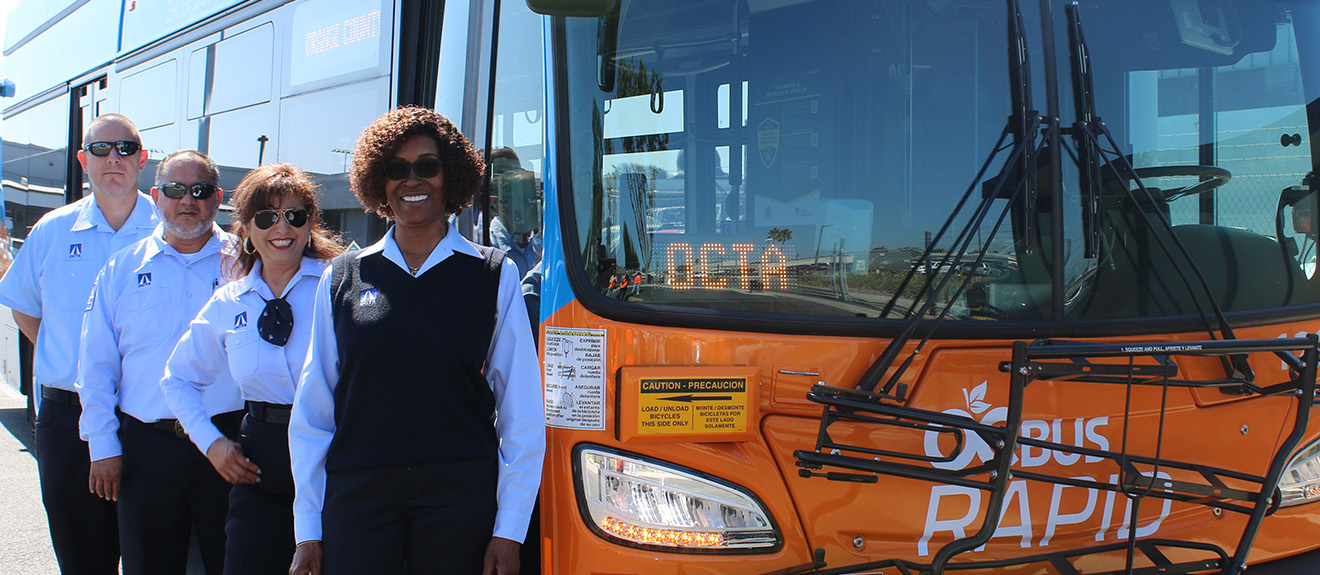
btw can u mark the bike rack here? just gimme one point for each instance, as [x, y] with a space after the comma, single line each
[1249, 493]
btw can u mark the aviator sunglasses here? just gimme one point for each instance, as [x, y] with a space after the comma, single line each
[264, 219]
[199, 190]
[125, 147]
[424, 168]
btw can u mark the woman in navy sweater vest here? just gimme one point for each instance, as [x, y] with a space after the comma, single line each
[417, 432]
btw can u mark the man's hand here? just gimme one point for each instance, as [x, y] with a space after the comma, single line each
[227, 458]
[307, 559]
[501, 557]
[103, 480]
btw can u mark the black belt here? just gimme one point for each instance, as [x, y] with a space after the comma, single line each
[226, 422]
[276, 413]
[171, 426]
[60, 396]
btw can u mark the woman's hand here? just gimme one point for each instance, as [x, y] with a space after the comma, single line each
[307, 559]
[501, 557]
[227, 458]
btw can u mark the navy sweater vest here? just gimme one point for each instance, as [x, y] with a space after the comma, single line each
[411, 353]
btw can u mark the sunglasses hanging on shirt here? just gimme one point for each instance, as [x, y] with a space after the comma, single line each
[276, 321]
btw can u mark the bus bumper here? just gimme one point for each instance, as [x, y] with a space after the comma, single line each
[1308, 562]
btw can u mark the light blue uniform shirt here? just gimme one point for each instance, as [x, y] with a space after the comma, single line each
[144, 298]
[54, 272]
[224, 335]
[525, 257]
[512, 369]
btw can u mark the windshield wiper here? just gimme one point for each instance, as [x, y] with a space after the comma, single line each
[1019, 169]
[1094, 157]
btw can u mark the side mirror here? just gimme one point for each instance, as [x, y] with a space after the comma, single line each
[1303, 201]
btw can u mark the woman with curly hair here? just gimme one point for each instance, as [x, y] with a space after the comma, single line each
[259, 327]
[417, 432]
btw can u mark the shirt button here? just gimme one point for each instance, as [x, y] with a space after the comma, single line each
[189, 296]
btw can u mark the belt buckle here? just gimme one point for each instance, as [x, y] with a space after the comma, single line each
[178, 430]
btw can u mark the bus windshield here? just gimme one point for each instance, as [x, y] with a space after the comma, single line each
[874, 159]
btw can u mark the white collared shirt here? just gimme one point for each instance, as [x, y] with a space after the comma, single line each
[512, 369]
[224, 335]
[53, 275]
[143, 300]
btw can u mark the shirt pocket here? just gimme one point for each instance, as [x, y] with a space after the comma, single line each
[144, 318]
[73, 280]
[242, 350]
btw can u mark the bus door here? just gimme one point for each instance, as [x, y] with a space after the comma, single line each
[41, 175]
[499, 104]
[490, 83]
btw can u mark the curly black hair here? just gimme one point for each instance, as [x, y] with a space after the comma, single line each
[463, 164]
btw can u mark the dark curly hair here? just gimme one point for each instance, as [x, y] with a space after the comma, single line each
[264, 188]
[463, 165]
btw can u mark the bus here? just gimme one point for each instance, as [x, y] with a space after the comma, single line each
[863, 286]
[917, 286]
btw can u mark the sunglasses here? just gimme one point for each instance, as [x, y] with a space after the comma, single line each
[125, 147]
[424, 168]
[199, 190]
[264, 219]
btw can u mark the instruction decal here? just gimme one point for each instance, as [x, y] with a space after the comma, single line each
[574, 378]
[692, 405]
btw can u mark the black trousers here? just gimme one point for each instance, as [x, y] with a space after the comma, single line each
[417, 520]
[169, 490]
[84, 529]
[260, 525]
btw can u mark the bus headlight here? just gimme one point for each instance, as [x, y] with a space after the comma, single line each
[1300, 482]
[652, 503]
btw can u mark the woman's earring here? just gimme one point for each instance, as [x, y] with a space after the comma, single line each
[248, 247]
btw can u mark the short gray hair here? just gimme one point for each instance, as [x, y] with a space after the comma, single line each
[211, 168]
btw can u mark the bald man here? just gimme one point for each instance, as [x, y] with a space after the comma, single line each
[47, 288]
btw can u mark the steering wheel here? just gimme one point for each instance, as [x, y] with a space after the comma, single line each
[1210, 177]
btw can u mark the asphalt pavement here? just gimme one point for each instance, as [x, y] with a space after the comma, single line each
[24, 538]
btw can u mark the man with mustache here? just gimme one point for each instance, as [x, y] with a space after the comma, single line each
[144, 298]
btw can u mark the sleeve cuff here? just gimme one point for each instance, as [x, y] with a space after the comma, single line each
[306, 527]
[203, 438]
[104, 447]
[512, 525]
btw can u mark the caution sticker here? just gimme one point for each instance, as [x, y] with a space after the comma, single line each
[690, 405]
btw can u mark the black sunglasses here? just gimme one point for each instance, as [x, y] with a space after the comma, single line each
[424, 168]
[125, 147]
[264, 219]
[199, 190]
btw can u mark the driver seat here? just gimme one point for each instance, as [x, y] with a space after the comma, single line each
[1244, 271]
